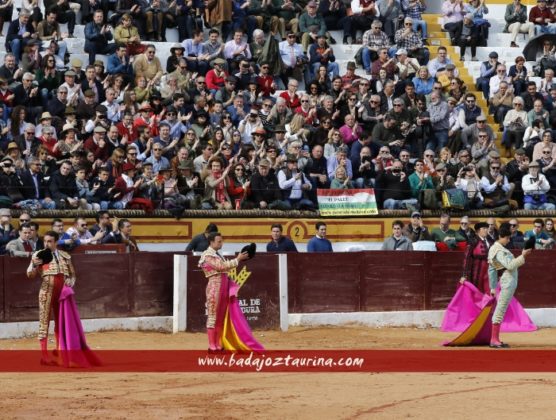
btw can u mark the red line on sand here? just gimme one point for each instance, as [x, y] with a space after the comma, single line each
[459, 360]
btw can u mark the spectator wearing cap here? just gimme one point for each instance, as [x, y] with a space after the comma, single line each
[97, 144]
[501, 102]
[216, 77]
[470, 134]
[86, 108]
[125, 186]
[415, 230]
[542, 18]
[293, 59]
[374, 40]
[148, 65]
[321, 54]
[397, 242]
[516, 21]
[74, 89]
[266, 189]
[295, 185]
[97, 35]
[190, 184]
[20, 33]
[496, 189]
[488, 69]
[535, 188]
[481, 148]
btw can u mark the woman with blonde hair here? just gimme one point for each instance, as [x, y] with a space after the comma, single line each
[423, 81]
[295, 129]
[341, 181]
[334, 141]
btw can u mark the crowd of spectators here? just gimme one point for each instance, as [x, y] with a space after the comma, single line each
[415, 235]
[22, 239]
[223, 123]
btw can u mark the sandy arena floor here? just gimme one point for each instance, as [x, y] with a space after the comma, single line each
[282, 395]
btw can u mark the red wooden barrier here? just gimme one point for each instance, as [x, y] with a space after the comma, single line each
[141, 284]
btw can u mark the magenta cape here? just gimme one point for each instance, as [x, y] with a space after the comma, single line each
[231, 326]
[467, 304]
[72, 345]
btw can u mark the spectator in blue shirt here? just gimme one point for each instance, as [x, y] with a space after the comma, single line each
[319, 243]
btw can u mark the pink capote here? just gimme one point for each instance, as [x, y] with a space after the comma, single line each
[71, 339]
[232, 328]
[468, 302]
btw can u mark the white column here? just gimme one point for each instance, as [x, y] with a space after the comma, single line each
[283, 290]
[179, 316]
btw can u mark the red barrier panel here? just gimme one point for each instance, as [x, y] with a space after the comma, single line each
[152, 279]
[258, 297]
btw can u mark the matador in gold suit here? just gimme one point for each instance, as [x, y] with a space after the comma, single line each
[54, 275]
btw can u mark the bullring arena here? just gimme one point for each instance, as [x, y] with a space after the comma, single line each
[377, 325]
[144, 312]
